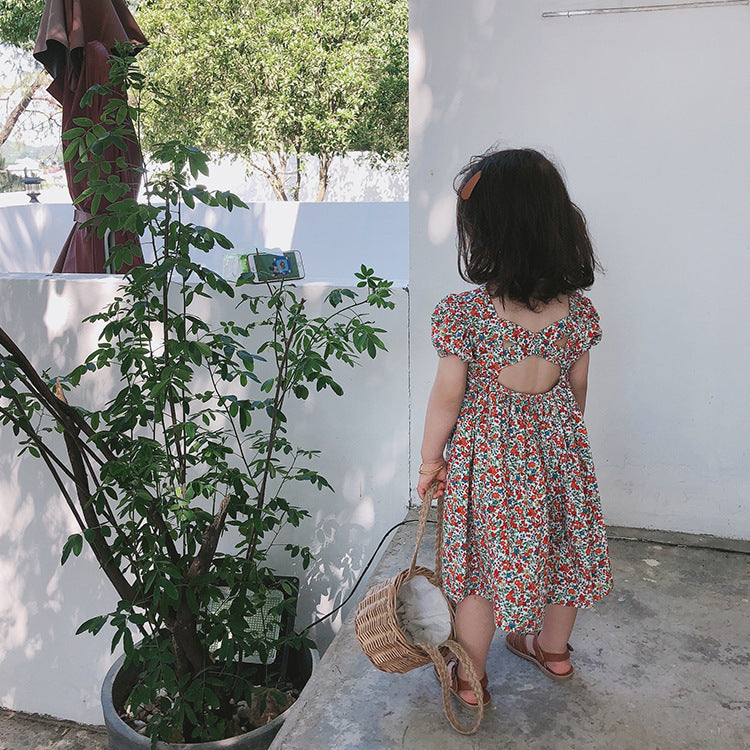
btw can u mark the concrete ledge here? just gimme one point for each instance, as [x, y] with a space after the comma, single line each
[680, 539]
[40, 732]
[659, 664]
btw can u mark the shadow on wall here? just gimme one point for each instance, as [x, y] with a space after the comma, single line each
[41, 603]
[366, 459]
[372, 494]
[334, 238]
[32, 236]
[652, 140]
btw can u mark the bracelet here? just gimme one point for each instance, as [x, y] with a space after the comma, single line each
[430, 473]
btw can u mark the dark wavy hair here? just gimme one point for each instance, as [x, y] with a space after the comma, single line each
[518, 231]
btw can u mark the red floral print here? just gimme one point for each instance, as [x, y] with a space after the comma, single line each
[523, 525]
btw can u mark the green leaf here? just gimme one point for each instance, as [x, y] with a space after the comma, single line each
[169, 589]
[74, 545]
[301, 391]
[89, 535]
[70, 150]
[93, 626]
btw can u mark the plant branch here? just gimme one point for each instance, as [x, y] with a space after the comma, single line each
[192, 653]
[278, 401]
[165, 335]
[201, 562]
[25, 426]
[65, 415]
[99, 544]
[22, 104]
[235, 431]
[46, 455]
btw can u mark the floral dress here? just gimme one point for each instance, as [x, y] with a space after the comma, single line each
[523, 524]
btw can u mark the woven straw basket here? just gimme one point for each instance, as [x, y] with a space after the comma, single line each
[389, 648]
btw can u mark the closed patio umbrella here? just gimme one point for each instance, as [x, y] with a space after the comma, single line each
[74, 43]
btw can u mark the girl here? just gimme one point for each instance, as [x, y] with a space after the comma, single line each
[525, 544]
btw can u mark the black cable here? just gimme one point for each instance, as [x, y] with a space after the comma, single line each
[362, 574]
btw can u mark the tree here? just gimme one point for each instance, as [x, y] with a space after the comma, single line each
[283, 79]
[9, 182]
[280, 78]
[23, 94]
[19, 21]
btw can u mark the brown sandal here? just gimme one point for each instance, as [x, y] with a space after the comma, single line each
[458, 685]
[516, 642]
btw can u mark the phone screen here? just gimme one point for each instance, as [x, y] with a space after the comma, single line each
[280, 266]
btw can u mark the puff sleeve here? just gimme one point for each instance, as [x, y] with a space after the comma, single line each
[590, 331]
[450, 330]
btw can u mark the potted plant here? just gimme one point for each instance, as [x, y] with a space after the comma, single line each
[181, 481]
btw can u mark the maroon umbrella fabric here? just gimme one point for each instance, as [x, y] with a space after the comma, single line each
[74, 43]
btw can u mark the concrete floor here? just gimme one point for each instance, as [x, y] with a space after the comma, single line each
[19, 731]
[662, 664]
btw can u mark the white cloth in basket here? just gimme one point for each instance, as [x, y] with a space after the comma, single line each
[423, 612]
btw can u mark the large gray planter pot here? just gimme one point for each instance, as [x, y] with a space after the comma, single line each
[118, 684]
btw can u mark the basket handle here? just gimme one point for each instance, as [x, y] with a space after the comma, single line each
[445, 680]
[423, 513]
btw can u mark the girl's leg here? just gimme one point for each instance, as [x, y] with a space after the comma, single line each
[555, 634]
[475, 627]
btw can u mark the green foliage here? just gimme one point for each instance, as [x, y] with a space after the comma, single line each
[9, 182]
[19, 21]
[278, 78]
[194, 446]
[281, 78]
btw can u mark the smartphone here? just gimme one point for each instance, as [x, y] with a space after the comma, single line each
[275, 265]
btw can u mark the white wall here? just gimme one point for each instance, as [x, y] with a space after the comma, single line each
[649, 115]
[334, 238]
[350, 178]
[363, 436]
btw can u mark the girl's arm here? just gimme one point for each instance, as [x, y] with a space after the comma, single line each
[445, 401]
[578, 376]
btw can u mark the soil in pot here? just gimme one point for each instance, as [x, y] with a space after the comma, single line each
[119, 683]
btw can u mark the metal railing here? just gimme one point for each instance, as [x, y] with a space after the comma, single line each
[639, 8]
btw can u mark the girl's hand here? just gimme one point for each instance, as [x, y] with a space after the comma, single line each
[427, 477]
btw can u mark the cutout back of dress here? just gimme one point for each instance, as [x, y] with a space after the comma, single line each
[529, 354]
[531, 359]
[534, 373]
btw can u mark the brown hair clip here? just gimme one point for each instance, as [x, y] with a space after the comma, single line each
[470, 185]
